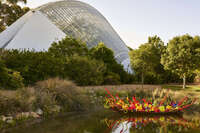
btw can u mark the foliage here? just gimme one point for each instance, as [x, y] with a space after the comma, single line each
[68, 47]
[182, 55]
[111, 79]
[62, 93]
[9, 105]
[33, 66]
[27, 98]
[63, 59]
[85, 71]
[9, 79]
[146, 62]
[52, 95]
[102, 53]
[143, 60]
[10, 12]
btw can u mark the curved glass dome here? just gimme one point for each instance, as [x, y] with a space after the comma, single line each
[80, 20]
[53, 21]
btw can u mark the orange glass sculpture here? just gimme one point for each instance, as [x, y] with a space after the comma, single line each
[143, 106]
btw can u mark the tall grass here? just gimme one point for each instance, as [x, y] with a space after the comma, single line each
[52, 95]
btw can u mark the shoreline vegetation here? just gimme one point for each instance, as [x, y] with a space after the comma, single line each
[46, 99]
[30, 92]
[55, 96]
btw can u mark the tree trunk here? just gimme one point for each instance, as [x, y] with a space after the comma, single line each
[142, 80]
[184, 81]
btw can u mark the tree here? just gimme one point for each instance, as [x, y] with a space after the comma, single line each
[142, 60]
[68, 47]
[182, 56]
[9, 79]
[145, 61]
[102, 53]
[33, 66]
[84, 71]
[10, 12]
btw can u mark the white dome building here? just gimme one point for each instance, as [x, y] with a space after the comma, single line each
[51, 22]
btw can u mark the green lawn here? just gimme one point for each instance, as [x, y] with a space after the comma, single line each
[179, 87]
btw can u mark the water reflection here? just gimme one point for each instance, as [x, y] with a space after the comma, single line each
[159, 124]
[110, 122]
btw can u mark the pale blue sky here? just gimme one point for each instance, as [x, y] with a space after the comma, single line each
[135, 20]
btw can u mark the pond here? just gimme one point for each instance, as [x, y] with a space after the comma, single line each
[112, 122]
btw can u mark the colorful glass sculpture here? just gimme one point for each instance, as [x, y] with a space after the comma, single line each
[134, 105]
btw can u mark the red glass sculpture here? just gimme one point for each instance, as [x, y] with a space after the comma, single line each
[143, 106]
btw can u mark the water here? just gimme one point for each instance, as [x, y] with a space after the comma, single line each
[111, 122]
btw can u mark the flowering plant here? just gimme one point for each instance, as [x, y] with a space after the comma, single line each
[134, 105]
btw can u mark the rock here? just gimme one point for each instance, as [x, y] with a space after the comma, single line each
[18, 116]
[25, 114]
[34, 115]
[39, 111]
[10, 121]
[9, 118]
[3, 118]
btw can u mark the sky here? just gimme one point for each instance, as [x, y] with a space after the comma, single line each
[136, 20]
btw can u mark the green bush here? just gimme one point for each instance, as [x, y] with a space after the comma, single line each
[85, 71]
[112, 79]
[102, 53]
[33, 66]
[15, 80]
[68, 47]
[63, 60]
[9, 79]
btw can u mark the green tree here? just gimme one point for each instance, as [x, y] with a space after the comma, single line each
[142, 60]
[33, 66]
[9, 79]
[68, 47]
[10, 12]
[145, 60]
[182, 56]
[102, 53]
[3, 74]
[84, 71]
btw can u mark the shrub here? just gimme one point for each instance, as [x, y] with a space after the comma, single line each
[102, 53]
[15, 80]
[9, 105]
[112, 79]
[68, 47]
[33, 66]
[63, 93]
[9, 79]
[52, 96]
[85, 71]
[27, 98]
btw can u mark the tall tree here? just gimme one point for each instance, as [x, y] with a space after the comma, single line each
[103, 53]
[146, 59]
[10, 11]
[142, 60]
[182, 56]
[68, 47]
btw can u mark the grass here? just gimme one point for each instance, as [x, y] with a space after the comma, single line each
[51, 96]
[56, 92]
[57, 95]
[179, 87]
